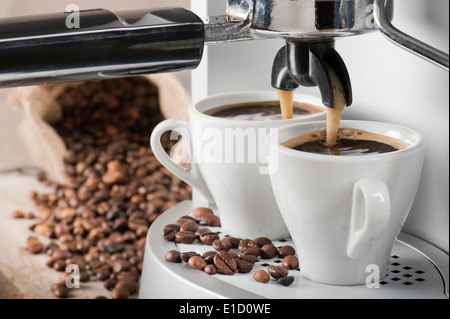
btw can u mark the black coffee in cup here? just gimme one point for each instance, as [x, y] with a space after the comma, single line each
[261, 111]
[350, 142]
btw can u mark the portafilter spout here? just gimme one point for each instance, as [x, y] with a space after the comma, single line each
[301, 63]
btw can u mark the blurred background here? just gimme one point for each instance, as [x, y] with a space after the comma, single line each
[389, 84]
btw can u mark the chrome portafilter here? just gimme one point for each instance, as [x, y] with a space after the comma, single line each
[46, 49]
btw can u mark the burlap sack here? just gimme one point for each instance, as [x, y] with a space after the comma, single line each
[41, 109]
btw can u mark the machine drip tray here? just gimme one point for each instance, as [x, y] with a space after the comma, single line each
[417, 270]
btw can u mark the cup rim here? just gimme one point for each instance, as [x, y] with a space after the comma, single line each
[299, 97]
[419, 145]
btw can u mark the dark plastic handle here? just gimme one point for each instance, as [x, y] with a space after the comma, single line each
[43, 49]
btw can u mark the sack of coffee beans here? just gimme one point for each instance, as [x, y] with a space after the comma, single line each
[93, 142]
[43, 109]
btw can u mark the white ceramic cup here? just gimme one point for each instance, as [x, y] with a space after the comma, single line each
[344, 212]
[238, 187]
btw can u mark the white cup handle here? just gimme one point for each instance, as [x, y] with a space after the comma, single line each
[370, 216]
[190, 175]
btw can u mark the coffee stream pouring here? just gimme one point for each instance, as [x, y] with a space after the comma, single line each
[46, 49]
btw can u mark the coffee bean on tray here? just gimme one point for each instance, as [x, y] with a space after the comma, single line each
[249, 247]
[286, 281]
[261, 276]
[197, 262]
[286, 251]
[268, 251]
[290, 262]
[244, 266]
[208, 237]
[173, 256]
[225, 263]
[185, 237]
[199, 212]
[277, 272]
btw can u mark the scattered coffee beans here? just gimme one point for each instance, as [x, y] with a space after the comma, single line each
[224, 261]
[115, 187]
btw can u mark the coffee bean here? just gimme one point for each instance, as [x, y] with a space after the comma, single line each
[60, 290]
[210, 269]
[201, 231]
[209, 256]
[277, 271]
[286, 281]
[225, 263]
[261, 241]
[84, 276]
[189, 225]
[18, 214]
[268, 251]
[261, 276]
[249, 247]
[208, 237]
[185, 218]
[34, 245]
[110, 284]
[290, 262]
[211, 220]
[121, 265]
[249, 258]
[103, 273]
[59, 265]
[197, 262]
[199, 212]
[187, 255]
[130, 284]
[120, 292]
[169, 231]
[219, 245]
[232, 241]
[286, 251]
[244, 266]
[185, 237]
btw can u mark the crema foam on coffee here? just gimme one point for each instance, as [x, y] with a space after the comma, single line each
[349, 142]
[261, 111]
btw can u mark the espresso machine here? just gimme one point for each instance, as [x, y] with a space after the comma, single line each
[295, 49]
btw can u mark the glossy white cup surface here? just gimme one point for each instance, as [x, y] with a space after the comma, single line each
[242, 194]
[344, 212]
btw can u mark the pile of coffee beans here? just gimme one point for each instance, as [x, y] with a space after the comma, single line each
[116, 188]
[222, 260]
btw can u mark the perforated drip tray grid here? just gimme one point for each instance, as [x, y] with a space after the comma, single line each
[417, 270]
